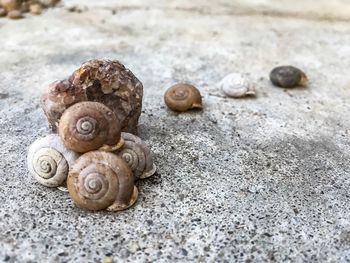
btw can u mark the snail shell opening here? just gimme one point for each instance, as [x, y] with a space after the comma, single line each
[119, 206]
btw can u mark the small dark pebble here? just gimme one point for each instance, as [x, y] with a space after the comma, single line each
[4, 95]
[7, 258]
[149, 222]
[288, 77]
[184, 252]
[63, 254]
[268, 234]
[74, 9]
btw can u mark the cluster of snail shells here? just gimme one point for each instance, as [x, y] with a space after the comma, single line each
[92, 157]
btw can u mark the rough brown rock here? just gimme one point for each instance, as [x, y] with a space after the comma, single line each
[105, 81]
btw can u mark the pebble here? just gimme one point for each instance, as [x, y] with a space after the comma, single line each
[48, 3]
[15, 9]
[9, 5]
[36, 9]
[2, 12]
[14, 14]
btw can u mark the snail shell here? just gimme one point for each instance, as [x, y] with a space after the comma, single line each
[183, 97]
[288, 77]
[87, 126]
[137, 155]
[49, 160]
[99, 180]
[237, 85]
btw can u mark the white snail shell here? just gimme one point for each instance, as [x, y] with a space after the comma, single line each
[237, 85]
[137, 155]
[49, 160]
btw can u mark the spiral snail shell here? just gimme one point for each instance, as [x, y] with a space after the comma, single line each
[236, 85]
[87, 126]
[100, 180]
[182, 97]
[288, 77]
[137, 155]
[49, 160]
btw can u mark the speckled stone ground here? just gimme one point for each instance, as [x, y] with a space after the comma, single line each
[249, 180]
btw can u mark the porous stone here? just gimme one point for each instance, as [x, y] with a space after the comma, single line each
[9, 5]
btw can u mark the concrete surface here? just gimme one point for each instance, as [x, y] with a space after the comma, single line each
[245, 180]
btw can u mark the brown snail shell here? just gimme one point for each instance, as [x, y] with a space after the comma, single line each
[288, 77]
[88, 126]
[100, 180]
[182, 97]
[137, 155]
[104, 81]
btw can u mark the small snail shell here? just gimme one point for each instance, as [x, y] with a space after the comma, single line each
[236, 85]
[101, 179]
[288, 77]
[49, 160]
[137, 155]
[183, 97]
[87, 126]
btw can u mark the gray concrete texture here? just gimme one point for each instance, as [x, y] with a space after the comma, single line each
[262, 179]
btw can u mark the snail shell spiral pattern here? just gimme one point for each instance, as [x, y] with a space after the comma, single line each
[101, 179]
[183, 97]
[49, 160]
[137, 155]
[87, 126]
[237, 85]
